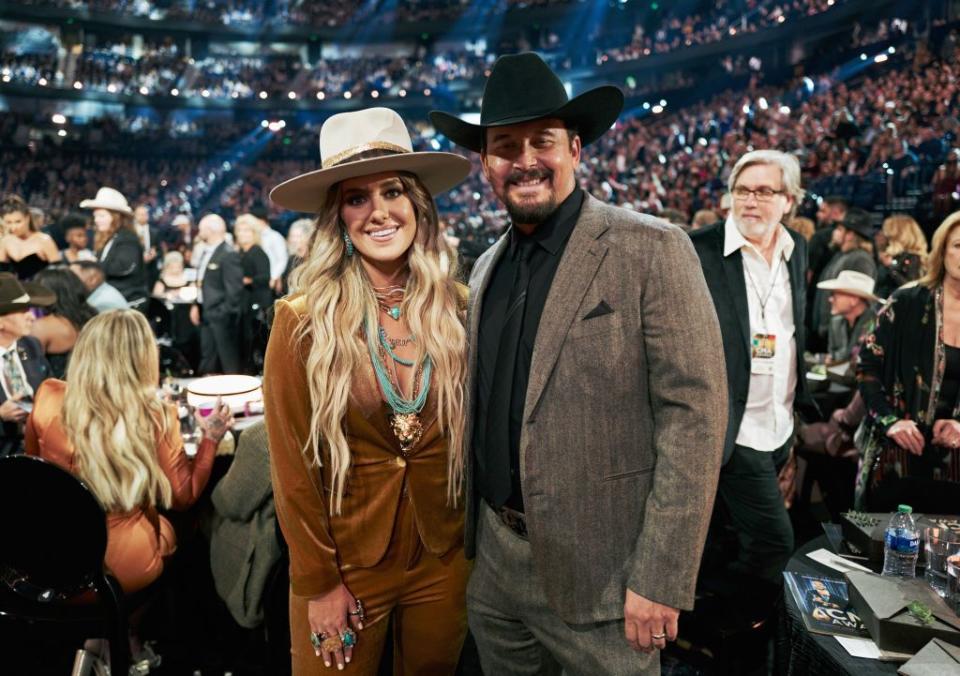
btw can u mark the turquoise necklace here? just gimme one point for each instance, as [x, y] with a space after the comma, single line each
[389, 299]
[405, 419]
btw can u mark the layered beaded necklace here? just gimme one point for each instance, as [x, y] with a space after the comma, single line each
[405, 419]
[389, 299]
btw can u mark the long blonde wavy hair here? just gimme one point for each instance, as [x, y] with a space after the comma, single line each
[903, 234]
[111, 412]
[340, 302]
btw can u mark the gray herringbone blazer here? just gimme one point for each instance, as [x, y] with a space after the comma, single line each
[624, 419]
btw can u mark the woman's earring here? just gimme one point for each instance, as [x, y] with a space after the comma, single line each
[348, 243]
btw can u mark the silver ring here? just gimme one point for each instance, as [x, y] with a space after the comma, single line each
[658, 637]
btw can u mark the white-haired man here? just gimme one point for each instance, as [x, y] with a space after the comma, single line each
[756, 271]
[221, 291]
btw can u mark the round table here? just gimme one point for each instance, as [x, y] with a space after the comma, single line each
[798, 651]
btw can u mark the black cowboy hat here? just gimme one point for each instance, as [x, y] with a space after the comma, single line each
[521, 88]
[858, 220]
[16, 296]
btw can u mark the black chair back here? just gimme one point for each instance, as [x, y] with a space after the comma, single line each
[55, 533]
[54, 537]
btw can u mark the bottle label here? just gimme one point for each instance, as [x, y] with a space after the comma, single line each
[902, 541]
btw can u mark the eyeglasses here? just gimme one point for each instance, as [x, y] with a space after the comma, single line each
[762, 194]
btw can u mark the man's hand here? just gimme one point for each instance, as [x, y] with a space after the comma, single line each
[648, 624]
[195, 315]
[11, 412]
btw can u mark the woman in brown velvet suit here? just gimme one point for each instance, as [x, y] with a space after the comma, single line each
[363, 390]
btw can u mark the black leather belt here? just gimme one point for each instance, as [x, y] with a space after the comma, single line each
[512, 519]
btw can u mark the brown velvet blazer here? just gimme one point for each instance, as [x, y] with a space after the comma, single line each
[323, 545]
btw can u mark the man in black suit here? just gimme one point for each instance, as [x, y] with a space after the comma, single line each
[756, 271]
[150, 241]
[220, 278]
[23, 365]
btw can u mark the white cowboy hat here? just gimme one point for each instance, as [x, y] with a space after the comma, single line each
[346, 135]
[852, 282]
[108, 198]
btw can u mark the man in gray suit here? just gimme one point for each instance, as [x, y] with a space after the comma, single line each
[597, 399]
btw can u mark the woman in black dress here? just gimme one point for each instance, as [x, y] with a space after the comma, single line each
[909, 377]
[23, 250]
[58, 330]
[117, 246]
[258, 297]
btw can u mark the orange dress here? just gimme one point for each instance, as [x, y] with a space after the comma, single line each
[137, 541]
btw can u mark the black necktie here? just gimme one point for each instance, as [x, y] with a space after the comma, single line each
[497, 437]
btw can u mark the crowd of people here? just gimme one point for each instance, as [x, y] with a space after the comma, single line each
[746, 16]
[136, 249]
[832, 291]
[166, 69]
[871, 139]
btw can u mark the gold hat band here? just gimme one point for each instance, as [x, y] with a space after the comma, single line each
[350, 153]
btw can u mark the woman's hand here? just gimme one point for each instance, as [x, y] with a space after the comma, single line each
[330, 615]
[946, 432]
[216, 424]
[907, 436]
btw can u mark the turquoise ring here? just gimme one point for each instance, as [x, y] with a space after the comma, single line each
[348, 638]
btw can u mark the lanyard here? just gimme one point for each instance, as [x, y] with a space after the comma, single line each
[763, 300]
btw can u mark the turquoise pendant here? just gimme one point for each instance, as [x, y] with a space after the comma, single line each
[394, 312]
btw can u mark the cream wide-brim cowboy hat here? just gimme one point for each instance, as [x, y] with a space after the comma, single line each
[110, 199]
[345, 136]
[852, 282]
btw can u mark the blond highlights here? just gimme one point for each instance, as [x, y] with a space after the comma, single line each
[340, 302]
[904, 235]
[111, 412]
[938, 252]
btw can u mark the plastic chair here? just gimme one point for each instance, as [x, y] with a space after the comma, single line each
[54, 537]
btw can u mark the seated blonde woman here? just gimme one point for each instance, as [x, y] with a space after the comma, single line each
[109, 427]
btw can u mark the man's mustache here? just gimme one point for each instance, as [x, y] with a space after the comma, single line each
[531, 175]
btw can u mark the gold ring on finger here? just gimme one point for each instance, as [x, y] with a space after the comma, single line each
[331, 644]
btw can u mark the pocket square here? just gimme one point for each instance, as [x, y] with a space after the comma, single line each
[212, 266]
[601, 309]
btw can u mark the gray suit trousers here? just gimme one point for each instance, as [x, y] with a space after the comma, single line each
[518, 634]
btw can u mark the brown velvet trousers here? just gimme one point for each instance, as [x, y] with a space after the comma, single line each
[424, 593]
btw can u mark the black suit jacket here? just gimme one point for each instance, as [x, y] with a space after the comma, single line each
[724, 275]
[123, 265]
[37, 369]
[223, 284]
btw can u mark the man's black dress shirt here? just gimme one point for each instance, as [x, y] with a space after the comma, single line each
[547, 242]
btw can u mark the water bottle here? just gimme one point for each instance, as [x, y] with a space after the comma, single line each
[901, 543]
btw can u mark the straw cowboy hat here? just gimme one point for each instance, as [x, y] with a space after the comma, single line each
[108, 198]
[345, 136]
[852, 282]
[17, 296]
[522, 88]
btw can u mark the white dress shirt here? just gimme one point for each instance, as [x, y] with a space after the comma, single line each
[18, 364]
[275, 246]
[768, 418]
